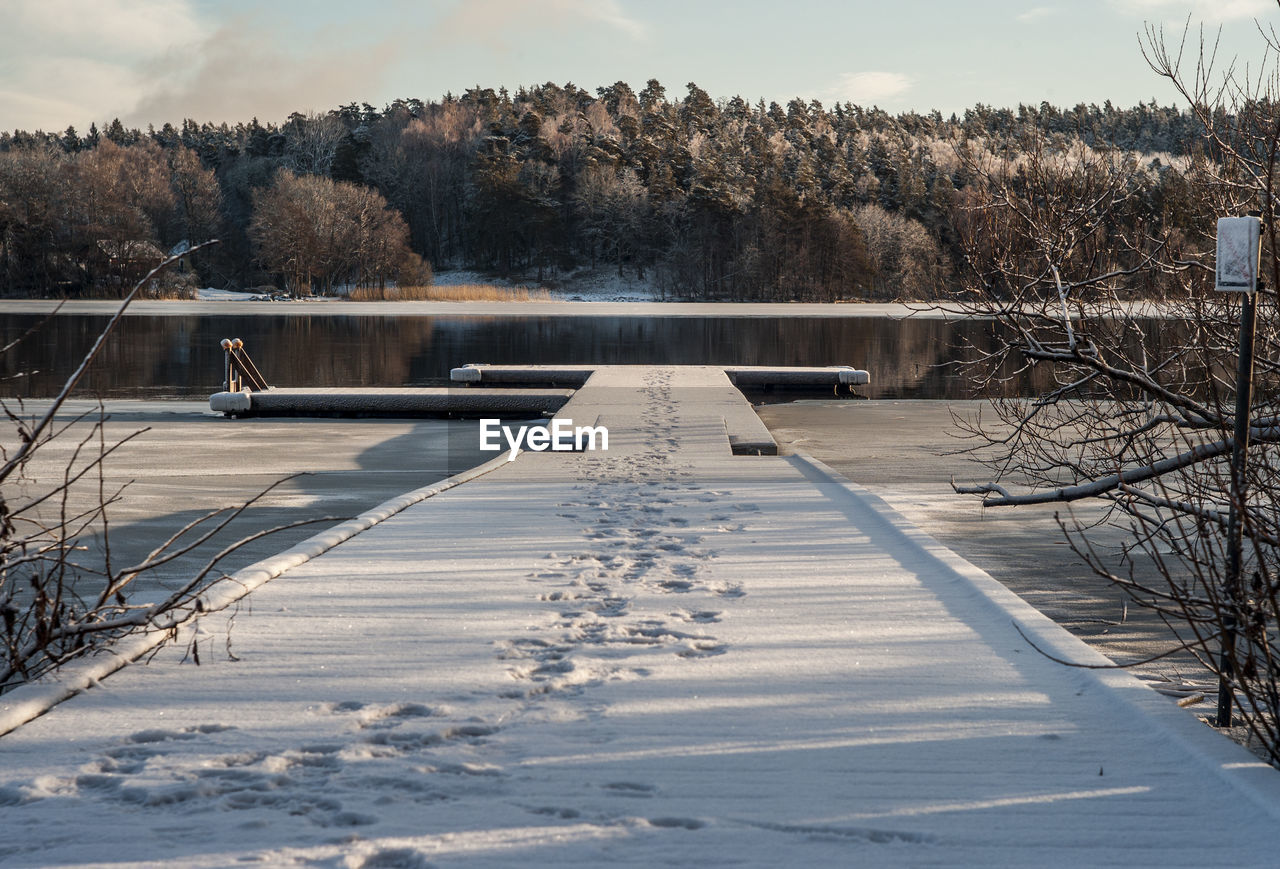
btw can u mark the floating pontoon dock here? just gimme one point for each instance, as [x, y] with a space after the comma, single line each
[426, 401]
[739, 375]
[746, 433]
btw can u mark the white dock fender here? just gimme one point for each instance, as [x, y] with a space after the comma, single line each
[231, 402]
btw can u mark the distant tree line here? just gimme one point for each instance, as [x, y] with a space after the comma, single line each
[710, 199]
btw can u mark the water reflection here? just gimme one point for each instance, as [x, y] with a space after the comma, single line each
[180, 357]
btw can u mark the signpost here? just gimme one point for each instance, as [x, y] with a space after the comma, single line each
[1236, 271]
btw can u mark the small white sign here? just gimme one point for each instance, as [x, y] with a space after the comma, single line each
[1239, 251]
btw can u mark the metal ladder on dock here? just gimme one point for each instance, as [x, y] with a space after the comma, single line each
[240, 372]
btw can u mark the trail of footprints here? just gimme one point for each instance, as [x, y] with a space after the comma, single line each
[634, 513]
[637, 589]
[406, 752]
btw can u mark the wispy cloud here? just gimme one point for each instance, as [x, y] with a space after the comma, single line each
[123, 27]
[243, 69]
[611, 13]
[496, 21]
[869, 87]
[1037, 13]
[1201, 10]
[68, 61]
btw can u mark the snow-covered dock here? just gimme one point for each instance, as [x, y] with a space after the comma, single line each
[661, 654]
[406, 402]
[739, 375]
[558, 381]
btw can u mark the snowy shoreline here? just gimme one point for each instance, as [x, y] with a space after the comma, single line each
[341, 308]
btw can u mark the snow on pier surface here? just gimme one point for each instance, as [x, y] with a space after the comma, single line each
[662, 654]
[388, 402]
[744, 375]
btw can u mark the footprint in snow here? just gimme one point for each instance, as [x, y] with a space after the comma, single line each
[702, 649]
[393, 858]
[392, 715]
[681, 823]
[554, 812]
[699, 616]
[161, 735]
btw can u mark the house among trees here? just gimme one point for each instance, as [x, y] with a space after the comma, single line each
[121, 264]
[182, 251]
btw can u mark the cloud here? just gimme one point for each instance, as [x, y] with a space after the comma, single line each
[1199, 10]
[121, 27]
[608, 12]
[496, 21]
[70, 61]
[243, 69]
[868, 88]
[1037, 13]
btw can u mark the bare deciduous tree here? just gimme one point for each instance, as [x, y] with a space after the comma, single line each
[313, 141]
[53, 606]
[904, 258]
[1141, 412]
[66, 219]
[323, 233]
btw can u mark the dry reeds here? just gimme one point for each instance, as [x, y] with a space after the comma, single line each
[454, 293]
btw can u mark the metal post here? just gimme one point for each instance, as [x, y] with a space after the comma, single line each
[1235, 531]
[226, 378]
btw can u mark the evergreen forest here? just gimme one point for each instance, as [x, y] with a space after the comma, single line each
[701, 198]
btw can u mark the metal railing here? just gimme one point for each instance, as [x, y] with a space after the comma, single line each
[239, 370]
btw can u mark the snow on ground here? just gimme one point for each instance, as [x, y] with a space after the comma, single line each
[210, 294]
[185, 308]
[659, 654]
[460, 277]
[582, 285]
[604, 285]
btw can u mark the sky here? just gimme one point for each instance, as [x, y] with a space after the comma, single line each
[70, 62]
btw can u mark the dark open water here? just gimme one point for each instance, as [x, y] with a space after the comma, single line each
[180, 357]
